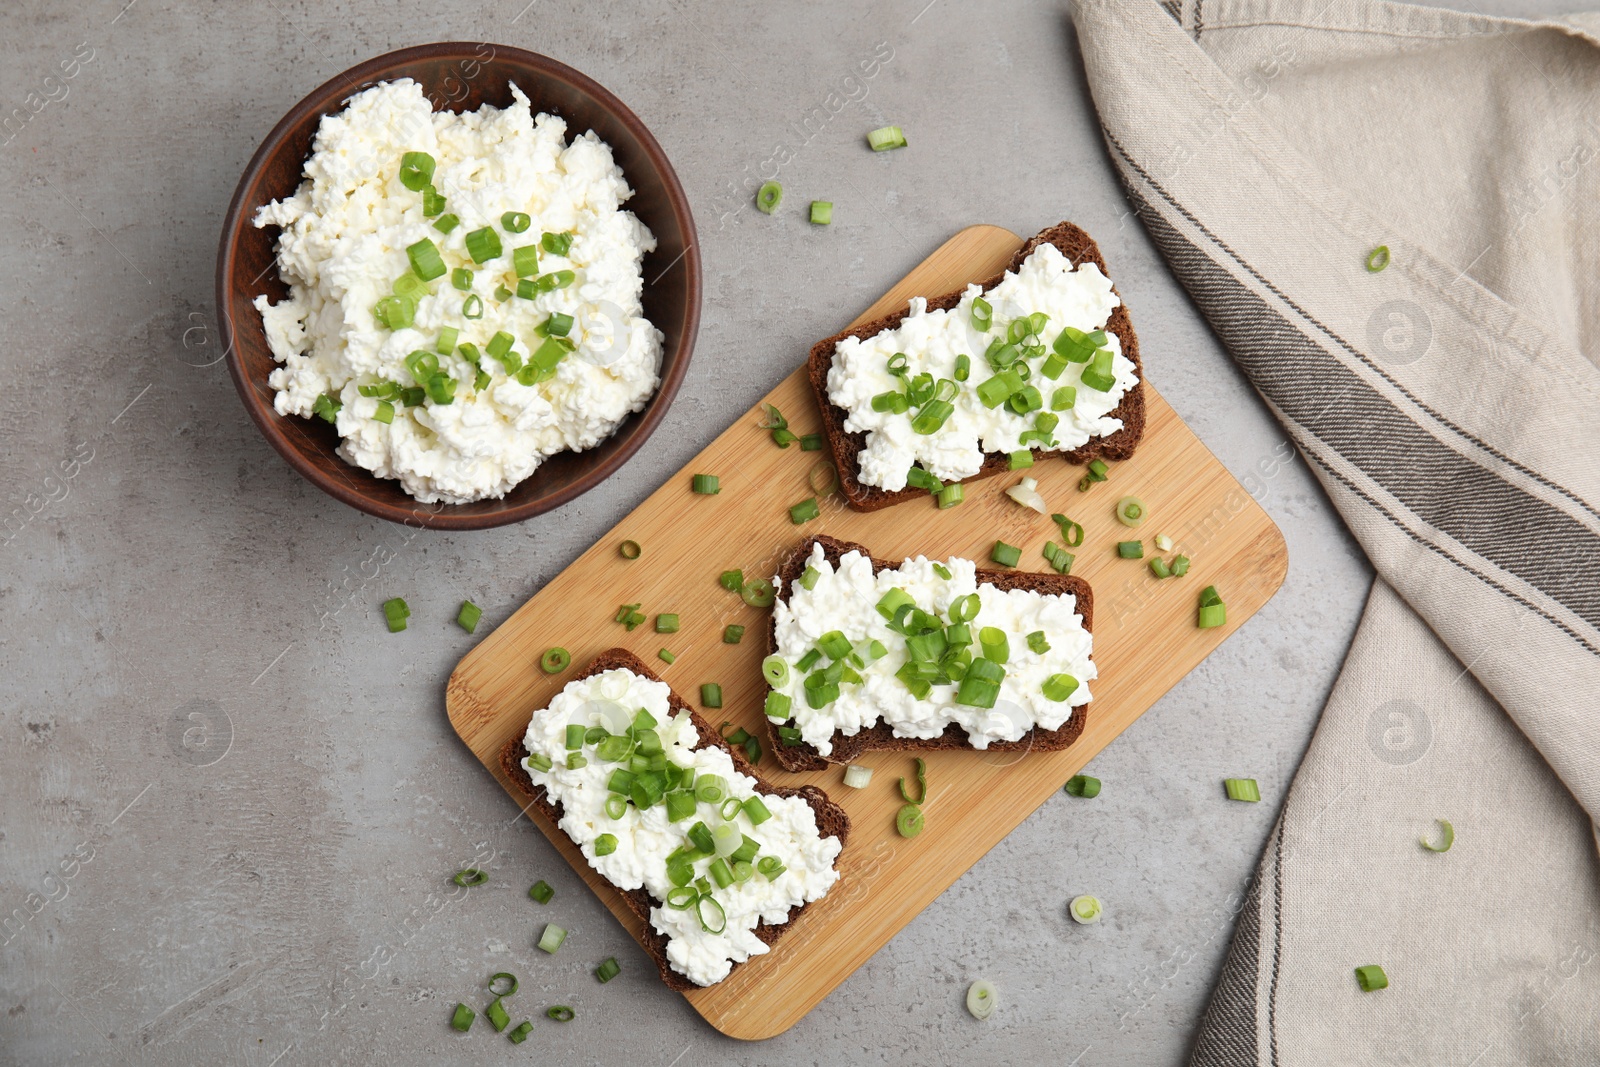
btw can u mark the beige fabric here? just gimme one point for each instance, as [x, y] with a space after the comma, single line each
[1449, 408]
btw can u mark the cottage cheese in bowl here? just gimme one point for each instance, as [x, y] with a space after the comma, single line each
[464, 293]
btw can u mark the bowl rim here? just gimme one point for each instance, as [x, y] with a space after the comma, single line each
[274, 428]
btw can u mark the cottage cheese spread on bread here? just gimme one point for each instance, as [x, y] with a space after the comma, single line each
[848, 601]
[344, 244]
[932, 343]
[644, 840]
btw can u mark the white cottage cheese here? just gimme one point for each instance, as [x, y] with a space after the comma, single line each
[846, 600]
[932, 340]
[344, 240]
[645, 839]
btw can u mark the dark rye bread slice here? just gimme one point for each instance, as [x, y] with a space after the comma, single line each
[831, 818]
[1078, 247]
[805, 757]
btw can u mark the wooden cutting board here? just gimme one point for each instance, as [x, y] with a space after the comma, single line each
[1145, 639]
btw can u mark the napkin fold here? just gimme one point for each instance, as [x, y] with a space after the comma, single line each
[1272, 148]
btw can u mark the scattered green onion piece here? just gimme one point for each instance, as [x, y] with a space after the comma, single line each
[525, 262]
[804, 511]
[758, 593]
[441, 389]
[1020, 459]
[520, 1032]
[700, 834]
[811, 442]
[922, 784]
[395, 613]
[711, 695]
[1371, 978]
[808, 578]
[1163, 542]
[667, 656]
[461, 277]
[908, 821]
[605, 844]
[446, 223]
[756, 811]
[470, 876]
[552, 937]
[1212, 615]
[942, 571]
[560, 1013]
[462, 1019]
[784, 438]
[515, 221]
[496, 1014]
[1159, 568]
[616, 805]
[1005, 555]
[416, 170]
[777, 706]
[981, 1000]
[609, 968]
[1378, 259]
[446, 343]
[539, 762]
[1130, 549]
[682, 898]
[718, 916]
[326, 407]
[729, 811]
[962, 609]
[1038, 643]
[557, 244]
[501, 293]
[982, 314]
[963, 369]
[680, 805]
[705, 484]
[575, 735]
[1059, 687]
[384, 412]
[472, 307]
[775, 669]
[951, 495]
[996, 648]
[394, 312]
[1085, 909]
[918, 478]
[885, 138]
[1448, 839]
[770, 867]
[821, 212]
[732, 634]
[576, 760]
[481, 380]
[555, 660]
[719, 871]
[1098, 374]
[1082, 785]
[1130, 511]
[1180, 566]
[630, 550]
[426, 262]
[467, 618]
[769, 196]
[1242, 789]
[483, 245]
[666, 624]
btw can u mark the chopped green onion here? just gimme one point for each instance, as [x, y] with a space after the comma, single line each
[539, 762]
[980, 685]
[804, 511]
[520, 1032]
[472, 307]
[496, 1014]
[1098, 375]
[575, 734]
[885, 138]
[1085, 909]
[446, 223]
[1130, 549]
[783, 438]
[609, 968]
[996, 648]
[416, 170]
[951, 495]
[461, 278]
[1159, 568]
[1163, 542]
[770, 867]
[769, 196]
[576, 760]
[942, 571]
[1448, 839]
[395, 612]
[811, 442]
[962, 609]
[666, 624]
[394, 312]
[756, 811]
[467, 618]
[729, 811]
[462, 1019]
[711, 695]
[718, 916]
[630, 550]
[515, 221]
[1180, 566]
[481, 380]
[808, 578]
[552, 937]
[1130, 511]
[326, 407]
[1020, 459]
[441, 389]
[1005, 555]
[557, 244]
[908, 821]
[501, 293]
[1038, 643]
[384, 412]
[616, 805]
[775, 669]
[982, 314]
[1242, 789]
[483, 245]
[963, 369]
[1059, 687]
[918, 478]
[732, 581]
[705, 484]
[426, 262]
[857, 776]
[821, 212]
[758, 593]
[560, 1013]
[1213, 612]
[777, 706]
[524, 263]
[981, 1000]
[1082, 785]
[446, 343]
[1063, 398]
[555, 660]
[1378, 259]
[605, 845]
[470, 876]
[732, 634]
[922, 784]
[719, 870]
[1372, 978]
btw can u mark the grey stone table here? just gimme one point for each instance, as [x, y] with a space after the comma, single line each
[230, 801]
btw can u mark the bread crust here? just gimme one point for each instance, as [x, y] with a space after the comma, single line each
[880, 738]
[832, 820]
[846, 447]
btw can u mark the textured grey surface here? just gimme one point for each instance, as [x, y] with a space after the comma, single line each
[230, 800]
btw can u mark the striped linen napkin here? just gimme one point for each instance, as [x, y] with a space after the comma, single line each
[1448, 407]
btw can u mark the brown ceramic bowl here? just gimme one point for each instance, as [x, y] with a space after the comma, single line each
[458, 77]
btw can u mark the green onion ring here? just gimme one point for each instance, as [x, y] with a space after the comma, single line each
[1378, 259]
[922, 785]
[980, 999]
[1448, 839]
[909, 821]
[561, 1013]
[503, 992]
[630, 550]
[555, 660]
[758, 593]
[829, 482]
[470, 876]
[769, 197]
